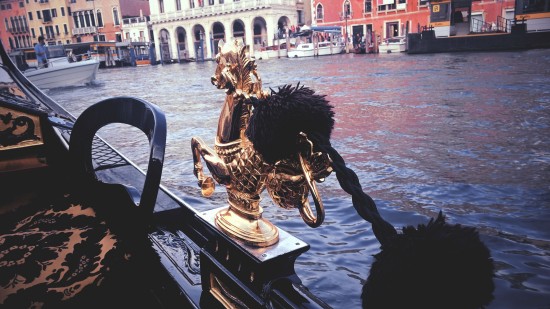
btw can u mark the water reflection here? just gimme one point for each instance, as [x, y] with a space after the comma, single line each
[465, 133]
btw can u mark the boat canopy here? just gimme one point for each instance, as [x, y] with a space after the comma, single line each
[307, 31]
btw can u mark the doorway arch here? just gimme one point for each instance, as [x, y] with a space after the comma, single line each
[198, 41]
[218, 34]
[259, 31]
[164, 38]
[283, 27]
[181, 37]
[239, 30]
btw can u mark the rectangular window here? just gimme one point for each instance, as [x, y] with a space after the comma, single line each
[440, 12]
[49, 32]
[54, 12]
[368, 6]
[47, 16]
[38, 15]
[69, 10]
[65, 29]
[62, 11]
[178, 5]
[41, 31]
[401, 4]
[387, 6]
[33, 34]
[21, 4]
[532, 6]
[57, 29]
[30, 15]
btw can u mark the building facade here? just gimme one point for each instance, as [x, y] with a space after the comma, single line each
[14, 31]
[390, 18]
[102, 20]
[184, 29]
[72, 21]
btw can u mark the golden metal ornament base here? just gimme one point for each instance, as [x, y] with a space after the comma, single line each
[254, 232]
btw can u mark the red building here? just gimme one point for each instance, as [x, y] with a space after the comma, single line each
[390, 18]
[14, 30]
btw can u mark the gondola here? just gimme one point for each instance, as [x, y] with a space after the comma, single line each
[81, 226]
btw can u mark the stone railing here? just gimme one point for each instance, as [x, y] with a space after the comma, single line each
[84, 30]
[225, 8]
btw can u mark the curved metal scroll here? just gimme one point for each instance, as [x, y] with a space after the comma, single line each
[305, 210]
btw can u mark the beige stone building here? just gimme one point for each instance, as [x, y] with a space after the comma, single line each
[102, 20]
[186, 29]
[50, 19]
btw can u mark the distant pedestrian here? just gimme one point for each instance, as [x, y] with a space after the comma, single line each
[40, 51]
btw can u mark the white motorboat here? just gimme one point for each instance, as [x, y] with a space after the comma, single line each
[316, 49]
[61, 73]
[274, 51]
[396, 44]
[63, 70]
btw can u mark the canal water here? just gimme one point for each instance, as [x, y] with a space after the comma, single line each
[465, 133]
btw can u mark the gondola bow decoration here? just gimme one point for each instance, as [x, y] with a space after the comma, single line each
[289, 173]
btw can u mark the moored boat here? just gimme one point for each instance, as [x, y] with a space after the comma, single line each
[320, 41]
[393, 45]
[316, 49]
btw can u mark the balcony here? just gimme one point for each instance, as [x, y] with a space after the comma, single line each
[18, 30]
[220, 9]
[134, 20]
[84, 30]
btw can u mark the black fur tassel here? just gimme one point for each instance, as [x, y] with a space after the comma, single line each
[277, 120]
[437, 265]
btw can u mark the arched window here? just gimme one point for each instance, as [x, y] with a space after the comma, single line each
[87, 17]
[161, 6]
[75, 17]
[99, 19]
[81, 19]
[347, 9]
[92, 18]
[319, 10]
[115, 16]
